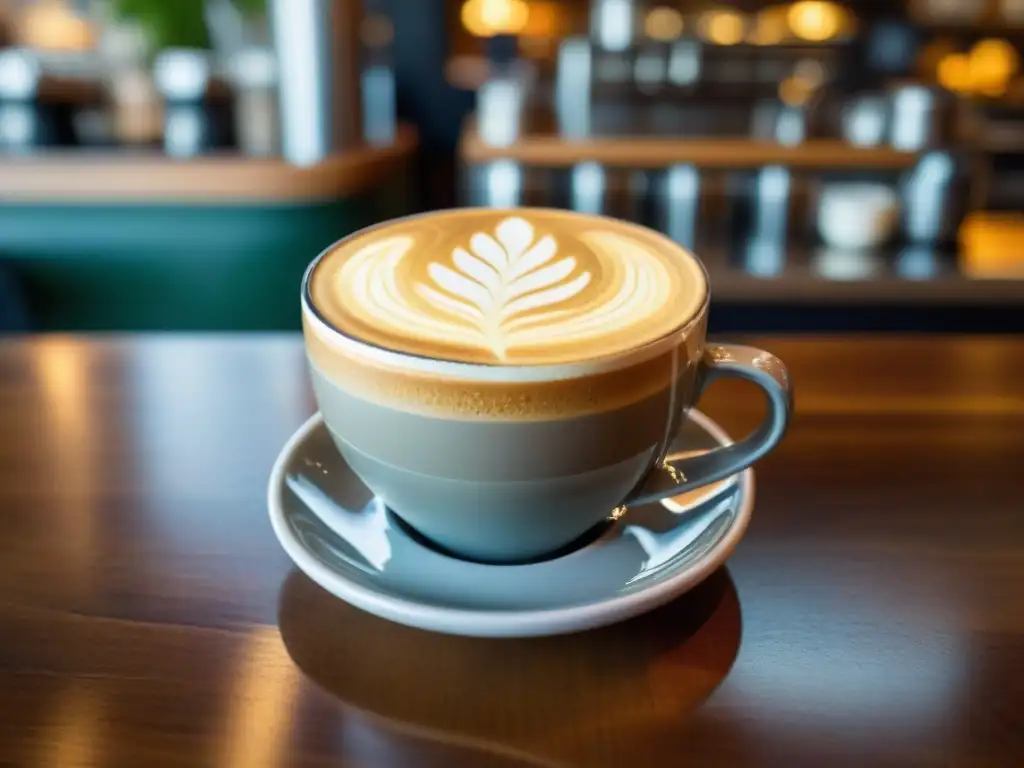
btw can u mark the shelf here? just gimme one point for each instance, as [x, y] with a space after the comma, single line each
[87, 177]
[550, 151]
[819, 277]
[987, 270]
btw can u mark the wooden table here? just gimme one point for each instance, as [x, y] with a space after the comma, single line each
[874, 615]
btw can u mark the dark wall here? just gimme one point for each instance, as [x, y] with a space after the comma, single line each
[425, 98]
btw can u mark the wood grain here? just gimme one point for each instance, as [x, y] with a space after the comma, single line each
[124, 177]
[871, 617]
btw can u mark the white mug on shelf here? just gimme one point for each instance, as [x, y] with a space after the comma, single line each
[857, 215]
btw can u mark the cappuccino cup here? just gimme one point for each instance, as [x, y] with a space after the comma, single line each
[506, 380]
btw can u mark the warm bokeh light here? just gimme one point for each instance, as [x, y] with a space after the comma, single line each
[544, 19]
[990, 245]
[816, 20]
[992, 64]
[53, 26]
[663, 24]
[722, 27]
[930, 55]
[770, 27]
[987, 70]
[797, 89]
[794, 91]
[954, 73]
[487, 18]
[993, 90]
[811, 71]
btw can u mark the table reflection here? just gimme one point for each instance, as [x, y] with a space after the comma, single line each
[76, 730]
[885, 671]
[65, 374]
[262, 706]
[564, 698]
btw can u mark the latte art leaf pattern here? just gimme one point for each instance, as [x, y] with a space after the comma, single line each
[509, 290]
[501, 280]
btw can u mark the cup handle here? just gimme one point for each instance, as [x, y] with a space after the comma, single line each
[673, 477]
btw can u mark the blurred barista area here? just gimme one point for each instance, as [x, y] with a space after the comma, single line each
[864, 143]
[294, 79]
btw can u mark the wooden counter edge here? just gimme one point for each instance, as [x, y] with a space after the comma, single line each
[111, 178]
[658, 152]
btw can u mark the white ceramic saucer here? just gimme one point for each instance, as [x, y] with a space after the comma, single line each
[344, 539]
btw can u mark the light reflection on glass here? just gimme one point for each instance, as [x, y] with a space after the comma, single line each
[499, 106]
[771, 203]
[682, 204]
[366, 531]
[503, 184]
[791, 127]
[649, 71]
[912, 108]
[613, 24]
[924, 196]
[572, 88]
[262, 704]
[587, 182]
[184, 131]
[19, 125]
[864, 121]
[684, 62]
[764, 257]
[660, 548]
[917, 262]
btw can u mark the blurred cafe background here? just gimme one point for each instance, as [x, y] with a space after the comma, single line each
[175, 164]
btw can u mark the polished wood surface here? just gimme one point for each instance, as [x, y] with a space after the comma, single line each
[650, 152]
[76, 176]
[871, 617]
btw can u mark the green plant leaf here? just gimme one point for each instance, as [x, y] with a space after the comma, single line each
[251, 7]
[169, 23]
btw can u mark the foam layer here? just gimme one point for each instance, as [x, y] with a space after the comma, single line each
[527, 287]
[435, 394]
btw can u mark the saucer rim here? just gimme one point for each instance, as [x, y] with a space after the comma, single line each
[505, 623]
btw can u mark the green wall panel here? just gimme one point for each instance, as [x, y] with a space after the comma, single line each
[164, 267]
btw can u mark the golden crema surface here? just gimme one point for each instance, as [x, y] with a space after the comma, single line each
[507, 287]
